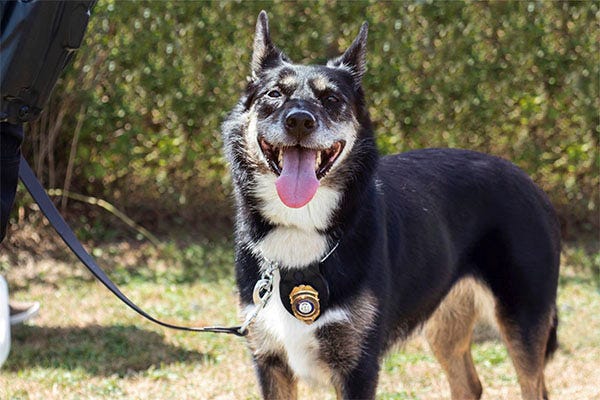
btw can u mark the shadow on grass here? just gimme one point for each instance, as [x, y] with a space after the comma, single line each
[124, 264]
[484, 333]
[99, 350]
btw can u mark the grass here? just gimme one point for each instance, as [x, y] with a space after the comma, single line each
[85, 344]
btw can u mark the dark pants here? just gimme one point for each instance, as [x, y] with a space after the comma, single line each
[11, 137]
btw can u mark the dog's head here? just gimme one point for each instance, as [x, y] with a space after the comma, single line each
[300, 123]
[303, 118]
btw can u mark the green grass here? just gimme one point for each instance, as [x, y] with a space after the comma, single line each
[85, 344]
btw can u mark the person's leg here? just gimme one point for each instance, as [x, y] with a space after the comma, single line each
[11, 137]
[4, 322]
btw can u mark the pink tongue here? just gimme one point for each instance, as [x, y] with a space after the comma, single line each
[298, 181]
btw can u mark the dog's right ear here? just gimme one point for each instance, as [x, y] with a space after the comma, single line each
[265, 54]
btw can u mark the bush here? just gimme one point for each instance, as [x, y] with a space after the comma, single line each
[138, 112]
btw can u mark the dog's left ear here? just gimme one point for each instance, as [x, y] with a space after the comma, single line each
[265, 53]
[354, 58]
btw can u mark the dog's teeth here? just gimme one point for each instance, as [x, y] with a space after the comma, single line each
[280, 157]
[318, 161]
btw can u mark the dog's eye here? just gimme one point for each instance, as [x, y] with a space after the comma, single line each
[274, 93]
[331, 99]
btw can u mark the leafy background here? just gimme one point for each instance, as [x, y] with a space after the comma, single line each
[135, 119]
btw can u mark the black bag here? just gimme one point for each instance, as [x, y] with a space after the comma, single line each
[37, 40]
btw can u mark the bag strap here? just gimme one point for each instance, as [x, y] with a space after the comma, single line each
[66, 233]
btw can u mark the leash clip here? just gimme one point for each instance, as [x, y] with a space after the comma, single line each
[263, 289]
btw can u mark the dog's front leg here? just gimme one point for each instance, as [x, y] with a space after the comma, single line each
[360, 383]
[351, 351]
[275, 377]
[356, 379]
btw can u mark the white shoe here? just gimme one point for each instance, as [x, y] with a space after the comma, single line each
[4, 322]
[21, 312]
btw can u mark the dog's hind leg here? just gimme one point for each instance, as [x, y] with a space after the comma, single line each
[276, 379]
[449, 333]
[522, 272]
[528, 342]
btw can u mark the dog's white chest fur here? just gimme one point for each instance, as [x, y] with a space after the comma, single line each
[292, 247]
[276, 330]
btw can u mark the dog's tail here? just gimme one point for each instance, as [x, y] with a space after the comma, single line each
[552, 344]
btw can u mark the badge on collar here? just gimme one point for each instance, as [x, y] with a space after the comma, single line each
[304, 292]
[304, 300]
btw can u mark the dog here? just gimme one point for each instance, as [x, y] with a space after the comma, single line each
[341, 253]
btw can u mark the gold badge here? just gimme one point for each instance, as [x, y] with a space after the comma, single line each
[305, 303]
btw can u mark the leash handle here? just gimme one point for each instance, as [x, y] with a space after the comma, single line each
[66, 233]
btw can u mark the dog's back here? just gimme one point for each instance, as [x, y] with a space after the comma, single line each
[465, 196]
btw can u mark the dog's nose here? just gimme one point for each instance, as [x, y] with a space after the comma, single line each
[300, 123]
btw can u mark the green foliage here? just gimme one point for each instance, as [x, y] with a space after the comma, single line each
[154, 80]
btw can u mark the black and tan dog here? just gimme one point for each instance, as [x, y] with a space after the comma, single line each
[364, 249]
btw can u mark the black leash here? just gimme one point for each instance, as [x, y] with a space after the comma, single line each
[66, 233]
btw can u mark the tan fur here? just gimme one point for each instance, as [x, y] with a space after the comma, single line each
[338, 393]
[289, 80]
[529, 363]
[279, 383]
[449, 333]
[320, 83]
